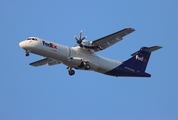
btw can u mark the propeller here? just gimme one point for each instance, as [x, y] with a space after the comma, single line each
[80, 39]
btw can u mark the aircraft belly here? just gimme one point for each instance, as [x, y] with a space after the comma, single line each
[119, 71]
[78, 57]
[106, 64]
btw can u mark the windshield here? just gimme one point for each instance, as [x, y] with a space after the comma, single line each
[32, 38]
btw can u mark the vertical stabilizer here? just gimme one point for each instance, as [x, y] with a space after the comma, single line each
[140, 58]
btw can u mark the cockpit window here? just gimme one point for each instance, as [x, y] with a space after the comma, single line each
[31, 38]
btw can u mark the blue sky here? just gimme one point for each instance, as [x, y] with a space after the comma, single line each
[49, 93]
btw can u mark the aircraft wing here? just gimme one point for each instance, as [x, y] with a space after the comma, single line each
[111, 39]
[45, 61]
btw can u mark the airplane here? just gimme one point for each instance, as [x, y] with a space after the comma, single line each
[83, 57]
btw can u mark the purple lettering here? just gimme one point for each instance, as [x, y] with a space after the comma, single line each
[51, 45]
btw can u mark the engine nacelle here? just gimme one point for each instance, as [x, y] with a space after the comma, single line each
[86, 43]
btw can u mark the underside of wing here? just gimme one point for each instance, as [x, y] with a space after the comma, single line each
[109, 40]
[45, 61]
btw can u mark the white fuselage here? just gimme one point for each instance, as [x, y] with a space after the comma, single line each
[70, 56]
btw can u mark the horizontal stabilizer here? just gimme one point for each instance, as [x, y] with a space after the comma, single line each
[149, 49]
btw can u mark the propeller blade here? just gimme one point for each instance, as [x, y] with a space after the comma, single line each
[80, 37]
[84, 37]
[76, 38]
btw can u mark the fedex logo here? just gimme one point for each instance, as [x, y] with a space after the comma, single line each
[51, 45]
[141, 58]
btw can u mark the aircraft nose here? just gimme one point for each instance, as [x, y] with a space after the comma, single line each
[21, 44]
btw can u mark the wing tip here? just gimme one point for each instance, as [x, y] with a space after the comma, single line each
[129, 28]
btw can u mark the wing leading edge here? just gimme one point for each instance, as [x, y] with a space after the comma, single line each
[109, 40]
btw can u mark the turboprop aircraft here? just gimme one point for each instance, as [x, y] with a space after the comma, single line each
[83, 57]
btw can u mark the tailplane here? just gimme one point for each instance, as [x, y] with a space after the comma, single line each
[140, 58]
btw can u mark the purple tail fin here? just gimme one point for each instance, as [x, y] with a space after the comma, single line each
[140, 58]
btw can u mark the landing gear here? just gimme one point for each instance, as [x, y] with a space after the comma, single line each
[27, 53]
[83, 65]
[87, 66]
[71, 72]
